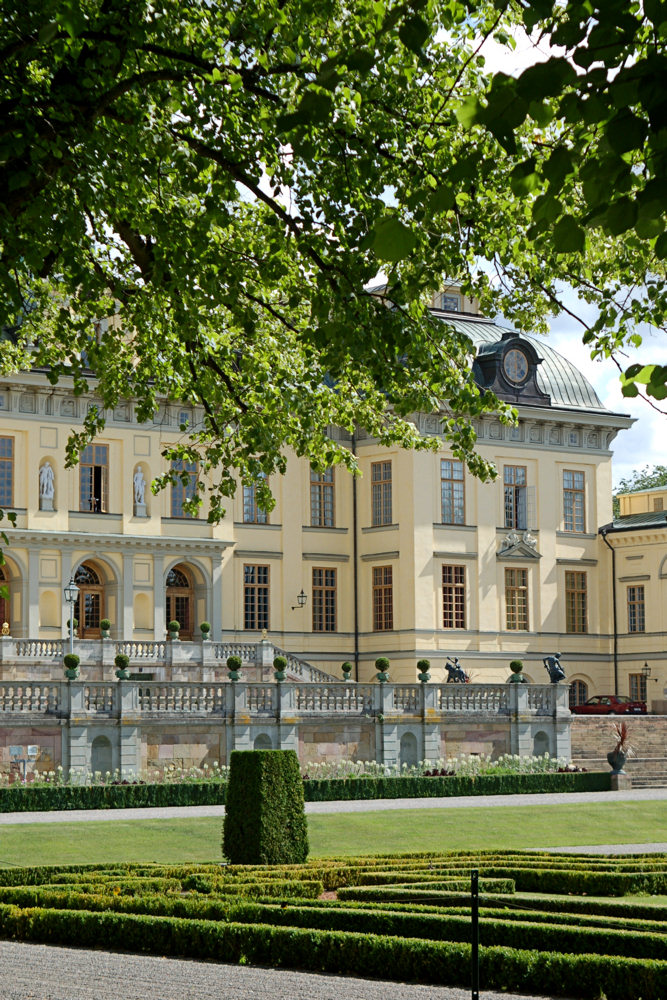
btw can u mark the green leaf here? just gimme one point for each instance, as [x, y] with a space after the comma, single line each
[441, 200]
[619, 217]
[414, 32]
[392, 240]
[470, 112]
[568, 236]
[661, 247]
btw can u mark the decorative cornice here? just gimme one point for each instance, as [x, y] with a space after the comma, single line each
[375, 556]
[324, 557]
[455, 555]
[123, 543]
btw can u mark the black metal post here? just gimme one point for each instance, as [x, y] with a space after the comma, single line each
[474, 909]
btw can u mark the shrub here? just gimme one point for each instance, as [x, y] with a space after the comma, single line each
[279, 663]
[382, 664]
[174, 626]
[205, 627]
[423, 666]
[516, 666]
[122, 661]
[265, 819]
[105, 624]
[71, 661]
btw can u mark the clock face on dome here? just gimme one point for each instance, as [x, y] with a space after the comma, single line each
[515, 366]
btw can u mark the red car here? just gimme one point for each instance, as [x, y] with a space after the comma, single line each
[610, 704]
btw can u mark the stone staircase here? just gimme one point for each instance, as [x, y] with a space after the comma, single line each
[592, 738]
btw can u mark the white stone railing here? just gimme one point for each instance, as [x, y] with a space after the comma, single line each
[139, 650]
[226, 699]
[301, 669]
[246, 651]
[334, 698]
[23, 697]
[39, 649]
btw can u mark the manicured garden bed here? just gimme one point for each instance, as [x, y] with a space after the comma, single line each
[405, 917]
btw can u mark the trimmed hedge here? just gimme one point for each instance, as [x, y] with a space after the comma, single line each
[417, 786]
[338, 952]
[19, 798]
[265, 820]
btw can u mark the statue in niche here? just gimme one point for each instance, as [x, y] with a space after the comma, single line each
[46, 486]
[553, 667]
[139, 487]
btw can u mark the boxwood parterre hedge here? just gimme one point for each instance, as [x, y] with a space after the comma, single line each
[377, 924]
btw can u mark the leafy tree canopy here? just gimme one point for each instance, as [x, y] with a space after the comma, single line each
[227, 179]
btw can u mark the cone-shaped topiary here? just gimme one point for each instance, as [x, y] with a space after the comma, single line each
[265, 820]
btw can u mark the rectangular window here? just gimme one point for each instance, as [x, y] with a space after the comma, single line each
[183, 488]
[657, 503]
[383, 599]
[638, 687]
[252, 513]
[453, 597]
[256, 597]
[514, 480]
[322, 499]
[636, 621]
[381, 493]
[576, 602]
[452, 495]
[573, 501]
[6, 472]
[324, 600]
[516, 599]
[94, 479]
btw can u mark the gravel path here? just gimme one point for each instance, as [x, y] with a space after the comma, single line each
[43, 972]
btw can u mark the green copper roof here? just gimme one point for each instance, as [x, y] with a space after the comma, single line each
[555, 375]
[649, 519]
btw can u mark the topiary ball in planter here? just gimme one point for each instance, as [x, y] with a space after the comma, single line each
[516, 666]
[233, 666]
[71, 662]
[279, 667]
[105, 625]
[174, 628]
[347, 670]
[382, 667]
[205, 628]
[423, 666]
[122, 661]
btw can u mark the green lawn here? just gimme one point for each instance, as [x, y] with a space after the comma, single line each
[198, 839]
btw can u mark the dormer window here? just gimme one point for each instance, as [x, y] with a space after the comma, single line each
[449, 302]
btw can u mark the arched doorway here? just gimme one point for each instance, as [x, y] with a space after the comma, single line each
[4, 602]
[89, 607]
[101, 757]
[180, 599]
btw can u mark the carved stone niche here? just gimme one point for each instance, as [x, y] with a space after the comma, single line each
[496, 430]
[555, 435]
[537, 434]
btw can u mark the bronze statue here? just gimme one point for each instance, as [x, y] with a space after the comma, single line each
[553, 667]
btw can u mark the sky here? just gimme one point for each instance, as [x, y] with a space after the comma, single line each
[645, 443]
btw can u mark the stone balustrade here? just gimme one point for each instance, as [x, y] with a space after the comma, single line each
[227, 699]
[19, 656]
[140, 721]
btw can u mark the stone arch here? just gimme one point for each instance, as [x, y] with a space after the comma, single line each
[263, 742]
[409, 750]
[541, 743]
[187, 579]
[101, 755]
[15, 607]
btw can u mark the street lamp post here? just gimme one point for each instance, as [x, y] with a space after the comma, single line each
[71, 594]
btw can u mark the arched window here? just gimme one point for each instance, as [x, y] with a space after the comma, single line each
[4, 602]
[180, 600]
[101, 755]
[541, 744]
[89, 607]
[578, 693]
[263, 742]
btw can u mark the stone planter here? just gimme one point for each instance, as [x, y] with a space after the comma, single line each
[617, 761]
[71, 673]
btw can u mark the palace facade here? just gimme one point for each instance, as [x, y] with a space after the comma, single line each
[413, 559]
